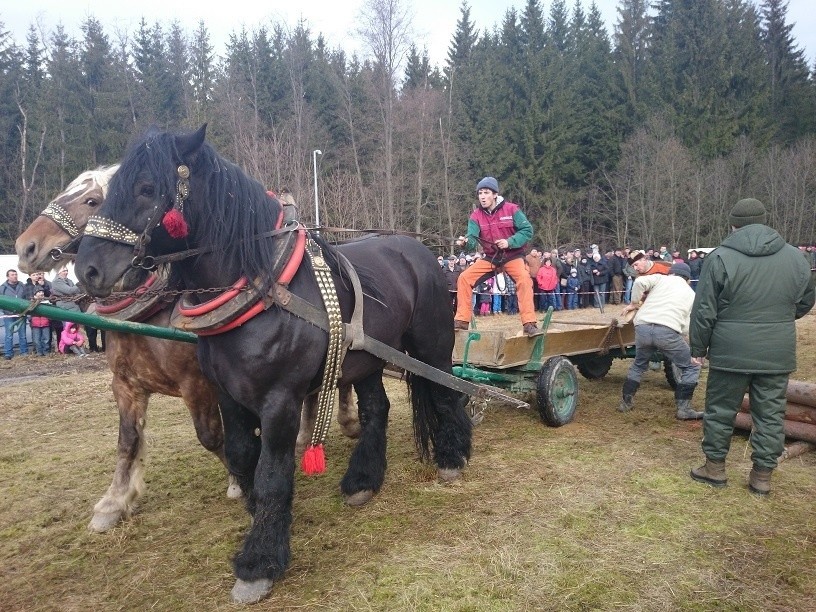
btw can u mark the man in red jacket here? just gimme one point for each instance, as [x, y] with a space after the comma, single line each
[503, 231]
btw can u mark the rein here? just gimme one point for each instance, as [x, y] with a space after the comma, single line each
[149, 262]
[443, 240]
[107, 229]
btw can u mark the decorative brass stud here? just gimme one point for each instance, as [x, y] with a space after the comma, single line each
[102, 227]
[60, 216]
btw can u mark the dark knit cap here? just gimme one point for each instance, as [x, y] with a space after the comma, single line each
[488, 182]
[680, 269]
[746, 212]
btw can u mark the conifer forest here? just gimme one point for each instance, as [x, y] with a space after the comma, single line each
[639, 133]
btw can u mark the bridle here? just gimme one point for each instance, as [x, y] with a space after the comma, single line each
[108, 229]
[60, 216]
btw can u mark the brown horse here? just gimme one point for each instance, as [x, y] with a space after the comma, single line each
[141, 365]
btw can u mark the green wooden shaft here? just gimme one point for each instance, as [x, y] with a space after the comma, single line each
[128, 327]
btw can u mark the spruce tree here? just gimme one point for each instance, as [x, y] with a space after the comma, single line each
[104, 99]
[630, 55]
[694, 66]
[177, 77]
[62, 96]
[464, 39]
[791, 100]
[202, 74]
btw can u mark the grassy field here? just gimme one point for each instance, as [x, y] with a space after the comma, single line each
[597, 515]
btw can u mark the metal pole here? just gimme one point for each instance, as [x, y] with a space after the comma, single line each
[315, 153]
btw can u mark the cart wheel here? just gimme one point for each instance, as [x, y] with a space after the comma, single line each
[594, 367]
[557, 391]
[672, 373]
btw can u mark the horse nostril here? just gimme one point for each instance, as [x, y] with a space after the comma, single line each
[91, 273]
[30, 249]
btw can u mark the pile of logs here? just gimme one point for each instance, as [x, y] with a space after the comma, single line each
[800, 416]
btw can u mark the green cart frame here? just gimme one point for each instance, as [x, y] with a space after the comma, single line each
[545, 363]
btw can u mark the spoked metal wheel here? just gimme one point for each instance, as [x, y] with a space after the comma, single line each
[557, 391]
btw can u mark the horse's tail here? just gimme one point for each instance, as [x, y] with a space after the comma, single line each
[441, 424]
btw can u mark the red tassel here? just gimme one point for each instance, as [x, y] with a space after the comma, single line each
[175, 224]
[314, 460]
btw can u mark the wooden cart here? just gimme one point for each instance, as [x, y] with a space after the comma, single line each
[545, 363]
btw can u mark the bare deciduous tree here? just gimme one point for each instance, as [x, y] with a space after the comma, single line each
[27, 180]
[386, 28]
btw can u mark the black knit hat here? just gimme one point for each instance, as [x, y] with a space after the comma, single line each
[680, 269]
[746, 212]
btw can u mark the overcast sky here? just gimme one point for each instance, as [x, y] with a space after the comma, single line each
[434, 20]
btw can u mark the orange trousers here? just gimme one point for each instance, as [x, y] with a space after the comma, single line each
[517, 271]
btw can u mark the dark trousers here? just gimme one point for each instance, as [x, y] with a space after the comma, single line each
[650, 338]
[93, 345]
[41, 337]
[586, 294]
[724, 394]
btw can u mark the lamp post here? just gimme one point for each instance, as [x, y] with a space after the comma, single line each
[315, 153]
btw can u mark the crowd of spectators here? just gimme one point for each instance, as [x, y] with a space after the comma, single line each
[569, 279]
[47, 336]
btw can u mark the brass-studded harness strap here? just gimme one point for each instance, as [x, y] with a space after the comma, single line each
[60, 216]
[102, 227]
[331, 372]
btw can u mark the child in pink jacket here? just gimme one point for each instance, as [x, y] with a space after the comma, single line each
[71, 339]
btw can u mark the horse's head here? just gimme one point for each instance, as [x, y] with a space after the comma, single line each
[131, 226]
[41, 245]
[173, 193]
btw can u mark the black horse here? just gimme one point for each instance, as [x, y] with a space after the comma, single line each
[267, 366]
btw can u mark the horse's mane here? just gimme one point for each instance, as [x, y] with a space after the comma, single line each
[225, 210]
[101, 176]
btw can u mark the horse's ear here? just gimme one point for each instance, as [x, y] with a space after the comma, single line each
[191, 143]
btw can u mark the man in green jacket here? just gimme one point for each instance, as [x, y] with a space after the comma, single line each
[751, 290]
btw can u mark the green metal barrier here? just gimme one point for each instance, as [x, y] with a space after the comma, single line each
[128, 327]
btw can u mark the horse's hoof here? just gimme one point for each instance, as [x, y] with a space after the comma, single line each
[351, 430]
[449, 474]
[104, 521]
[250, 592]
[234, 489]
[360, 498]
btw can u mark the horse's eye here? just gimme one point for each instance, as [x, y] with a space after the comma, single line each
[91, 202]
[147, 191]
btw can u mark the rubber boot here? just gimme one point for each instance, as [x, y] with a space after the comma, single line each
[711, 472]
[759, 480]
[685, 412]
[682, 398]
[630, 387]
